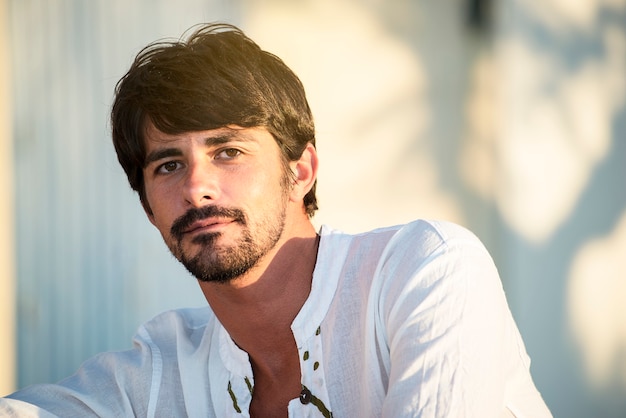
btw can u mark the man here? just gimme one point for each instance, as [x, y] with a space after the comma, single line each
[217, 138]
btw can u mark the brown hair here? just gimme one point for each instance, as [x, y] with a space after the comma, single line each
[216, 77]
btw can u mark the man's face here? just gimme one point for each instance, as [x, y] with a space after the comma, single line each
[218, 197]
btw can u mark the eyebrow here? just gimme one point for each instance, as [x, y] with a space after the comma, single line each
[211, 141]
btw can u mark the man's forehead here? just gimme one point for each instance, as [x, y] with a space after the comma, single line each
[154, 135]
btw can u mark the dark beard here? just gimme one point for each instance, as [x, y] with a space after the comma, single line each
[222, 265]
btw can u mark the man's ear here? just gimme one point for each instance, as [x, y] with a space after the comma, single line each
[304, 173]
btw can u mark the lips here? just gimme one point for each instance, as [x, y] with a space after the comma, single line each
[205, 218]
[206, 224]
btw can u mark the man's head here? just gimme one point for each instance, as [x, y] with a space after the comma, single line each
[215, 78]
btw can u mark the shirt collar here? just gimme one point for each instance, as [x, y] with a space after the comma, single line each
[331, 257]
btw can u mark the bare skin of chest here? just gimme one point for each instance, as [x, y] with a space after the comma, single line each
[273, 393]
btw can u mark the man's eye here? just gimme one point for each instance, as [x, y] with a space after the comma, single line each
[228, 154]
[168, 167]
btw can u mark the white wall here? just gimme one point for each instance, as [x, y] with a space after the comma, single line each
[90, 266]
[7, 256]
[561, 196]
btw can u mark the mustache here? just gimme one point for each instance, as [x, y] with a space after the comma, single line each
[183, 222]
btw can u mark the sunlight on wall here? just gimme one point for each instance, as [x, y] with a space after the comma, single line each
[596, 306]
[7, 257]
[367, 91]
[567, 14]
[555, 130]
[478, 161]
[537, 129]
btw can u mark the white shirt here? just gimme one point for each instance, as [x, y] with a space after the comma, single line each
[407, 321]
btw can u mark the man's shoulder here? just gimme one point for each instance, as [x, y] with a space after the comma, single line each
[423, 239]
[190, 323]
[435, 232]
[186, 317]
[425, 233]
[411, 243]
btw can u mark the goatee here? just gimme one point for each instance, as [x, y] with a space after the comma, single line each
[219, 264]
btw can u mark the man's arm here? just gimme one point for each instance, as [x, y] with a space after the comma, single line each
[454, 347]
[109, 384]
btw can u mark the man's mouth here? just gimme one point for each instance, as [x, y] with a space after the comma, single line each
[207, 218]
[205, 225]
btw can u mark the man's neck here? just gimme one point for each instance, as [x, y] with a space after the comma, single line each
[258, 309]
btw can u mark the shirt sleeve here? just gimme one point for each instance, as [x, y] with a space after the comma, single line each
[113, 384]
[452, 343]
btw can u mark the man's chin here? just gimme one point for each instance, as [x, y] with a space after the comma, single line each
[207, 245]
[205, 238]
[217, 266]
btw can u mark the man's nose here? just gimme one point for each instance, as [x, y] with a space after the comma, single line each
[201, 183]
